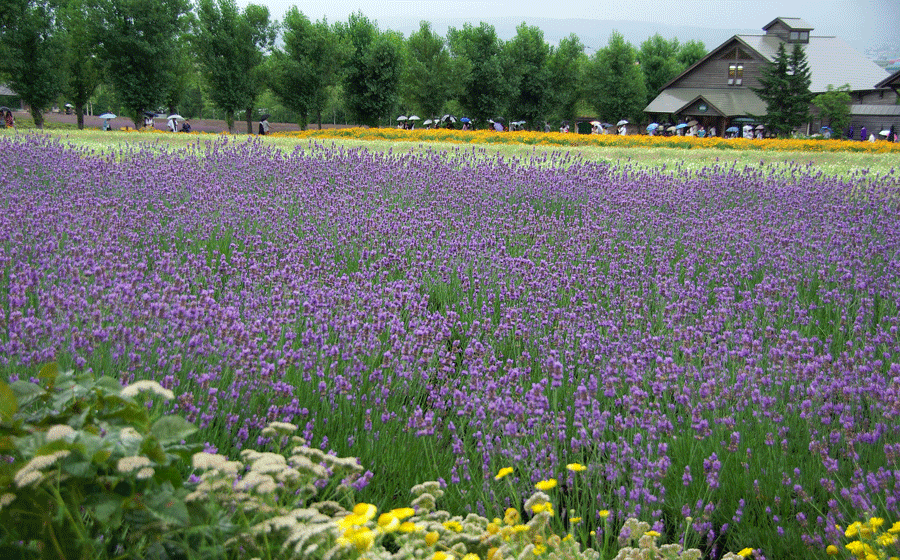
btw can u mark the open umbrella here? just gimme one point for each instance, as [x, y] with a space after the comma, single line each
[652, 126]
[70, 106]
[731, 129]
[401, 118]
[498, 127]
[4, 108]
[621, 122]
[265, 117]
[595, 123]
[692, 123]
[672, 129]
[149, 114]
[448, 117]
[427, 121]
[413, 118]
[606, 125]
[176, 117]
[107, 116]
[884, 132]
[680, 126]
[465, 119]
[499, 119]
[760, 127]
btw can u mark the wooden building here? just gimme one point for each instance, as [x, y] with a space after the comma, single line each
[718, 92]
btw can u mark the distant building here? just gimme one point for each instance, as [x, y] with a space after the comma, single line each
[717, 90]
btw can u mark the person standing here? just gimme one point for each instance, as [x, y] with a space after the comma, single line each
[10, 122]
[173, 125]
[264, 126]
[862, 134]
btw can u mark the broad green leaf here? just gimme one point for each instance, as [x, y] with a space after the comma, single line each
[172, 429]
[26, 392]
[8, 404]
[108, 509]
[48, 374]
[110, 385]
[79, 468]
[167, 507]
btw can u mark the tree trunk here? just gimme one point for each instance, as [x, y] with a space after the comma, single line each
[319, 119]
[80, 112]
[249, 122]
[229, 120]
[38, 117]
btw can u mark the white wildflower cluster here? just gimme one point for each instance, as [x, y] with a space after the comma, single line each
[219, 476]
[6, 499]
[279, 428]
[305, 530]
[426, 495]
[647, 546]
[33, 471]
[59, 431]
[137, 464]
[147, 386]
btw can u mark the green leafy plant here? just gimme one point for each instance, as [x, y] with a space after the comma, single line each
[88, 472]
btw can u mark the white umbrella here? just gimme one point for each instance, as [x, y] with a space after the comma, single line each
[401, 118]
[884, 132]
[428, 121]
[176, 117]
[414, 118]
[621, 122]
[107, 116]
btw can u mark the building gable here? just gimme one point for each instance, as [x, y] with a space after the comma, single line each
[733, 64]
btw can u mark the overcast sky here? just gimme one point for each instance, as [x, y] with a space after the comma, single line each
[852, 20]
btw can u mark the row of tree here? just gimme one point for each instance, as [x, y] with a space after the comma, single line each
[147, 50]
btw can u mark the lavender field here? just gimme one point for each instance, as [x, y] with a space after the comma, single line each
[720, 345]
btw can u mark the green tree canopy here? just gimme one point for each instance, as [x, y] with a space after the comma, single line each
[138, 47]
[659, 61]
[309, 64]
[80, 47]
[373, 69]
[230, 47]
[616, 83]
[477, 52]
[784, 87]
[427, 82]
[33, 46]
[834, 106]
[528, 62]
[690, 53]
[567, 65]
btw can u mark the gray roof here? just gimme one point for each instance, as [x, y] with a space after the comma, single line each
[831, 61]
[5, 90]
[892, 80]
[875, 110]
[731, 102]
[791, 22]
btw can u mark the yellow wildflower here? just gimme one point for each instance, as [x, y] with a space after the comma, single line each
[505, 471]
[360, 537]
[745, 553]
[652, 534]
[440, 555]
[520, 528]
[895, 528]
[454, 526]
[367, 511]
[886, 539]
[540, 549]
[493, 528]
[388, 522]
[538, 508]
[575, 520]
[470, 556]
[852, 529]
[511, 516]
[409, 527]
[876, 521]
[576, 467]
[603, 513]
[403, 513]
[545, 485]
[491, 553]
[431, 538]
[831, 550]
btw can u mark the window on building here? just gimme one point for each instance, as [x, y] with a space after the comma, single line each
[735, 74]
[804, 36]
[795, 35]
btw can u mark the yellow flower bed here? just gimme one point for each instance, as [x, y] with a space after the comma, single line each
[610, 140]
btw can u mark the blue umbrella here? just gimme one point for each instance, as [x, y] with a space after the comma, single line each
[731, 129]
[464, 119]
[682, 125]
[652, 126]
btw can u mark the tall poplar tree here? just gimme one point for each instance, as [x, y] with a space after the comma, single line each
[479, 68]
[372, 72]
[33, 45]
[230, 44]
[616, 85]
[427, 75]
[528, 59]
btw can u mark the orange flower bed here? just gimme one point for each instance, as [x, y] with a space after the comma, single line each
[604, 140]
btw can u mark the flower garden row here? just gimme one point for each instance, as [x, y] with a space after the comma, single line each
[718, 348]
[601, 140]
